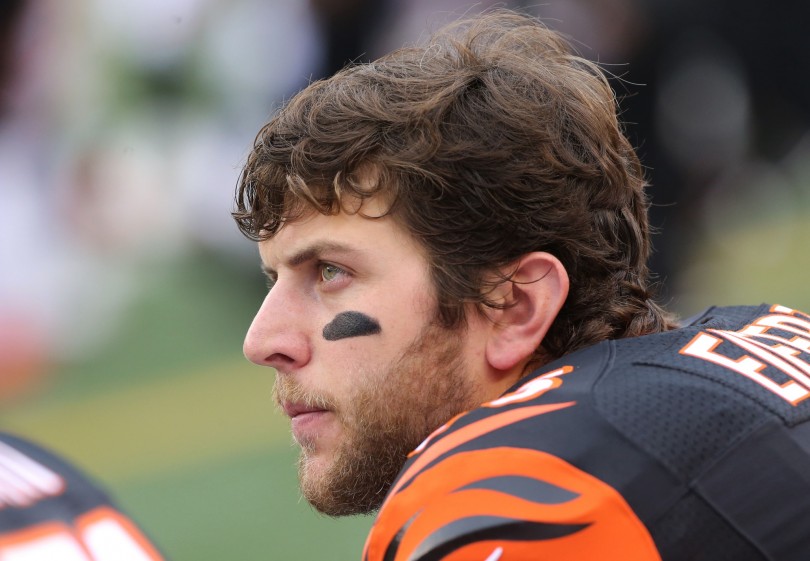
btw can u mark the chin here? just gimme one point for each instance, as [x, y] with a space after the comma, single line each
[315, 474]
[340, 484]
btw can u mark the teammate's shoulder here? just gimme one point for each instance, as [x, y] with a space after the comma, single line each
[49, 509]
[32, 474]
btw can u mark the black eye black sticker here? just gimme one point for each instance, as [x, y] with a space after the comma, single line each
[350, 324]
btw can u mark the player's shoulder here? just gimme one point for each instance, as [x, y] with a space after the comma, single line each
[615, 432]
[508, 480]
[722, 401]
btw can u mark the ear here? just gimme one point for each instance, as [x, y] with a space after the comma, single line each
[533, 298]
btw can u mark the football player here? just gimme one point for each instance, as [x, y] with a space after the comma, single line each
[463, 330]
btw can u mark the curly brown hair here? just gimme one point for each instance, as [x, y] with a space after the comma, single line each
[491, 141]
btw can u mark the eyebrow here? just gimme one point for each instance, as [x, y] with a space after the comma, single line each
[310, 253]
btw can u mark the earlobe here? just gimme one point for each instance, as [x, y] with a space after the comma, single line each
[533, 296]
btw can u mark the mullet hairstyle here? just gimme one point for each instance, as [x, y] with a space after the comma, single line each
[491, 141]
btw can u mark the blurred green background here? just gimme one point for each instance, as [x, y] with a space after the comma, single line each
[125, 288]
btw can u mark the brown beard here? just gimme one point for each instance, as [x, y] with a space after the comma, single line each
[391, 415]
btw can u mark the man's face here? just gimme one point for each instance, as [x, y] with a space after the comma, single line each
[363, 369]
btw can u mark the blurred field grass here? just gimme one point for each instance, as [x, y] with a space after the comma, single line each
[170, 417]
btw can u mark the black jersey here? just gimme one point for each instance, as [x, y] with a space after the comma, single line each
[692, 444]
[49, 511]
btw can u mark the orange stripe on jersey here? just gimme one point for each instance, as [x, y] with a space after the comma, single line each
[509, 504]
[474, 430]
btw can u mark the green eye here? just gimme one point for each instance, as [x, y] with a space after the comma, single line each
[330, 272]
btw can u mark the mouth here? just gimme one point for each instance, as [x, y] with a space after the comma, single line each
[310, 424]
[293, 410]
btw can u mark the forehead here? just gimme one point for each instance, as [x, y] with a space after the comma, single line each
[365, 233]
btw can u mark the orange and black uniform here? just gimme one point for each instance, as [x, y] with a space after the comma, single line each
[49, 511]
[688, 445]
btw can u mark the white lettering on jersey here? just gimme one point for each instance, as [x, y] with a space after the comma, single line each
[767, 352]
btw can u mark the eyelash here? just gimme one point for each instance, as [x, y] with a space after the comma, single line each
[270, 281]
[338, 272]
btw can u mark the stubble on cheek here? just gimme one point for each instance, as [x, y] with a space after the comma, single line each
[389, 413]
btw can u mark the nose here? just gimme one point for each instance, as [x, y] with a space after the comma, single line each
[276, 337]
